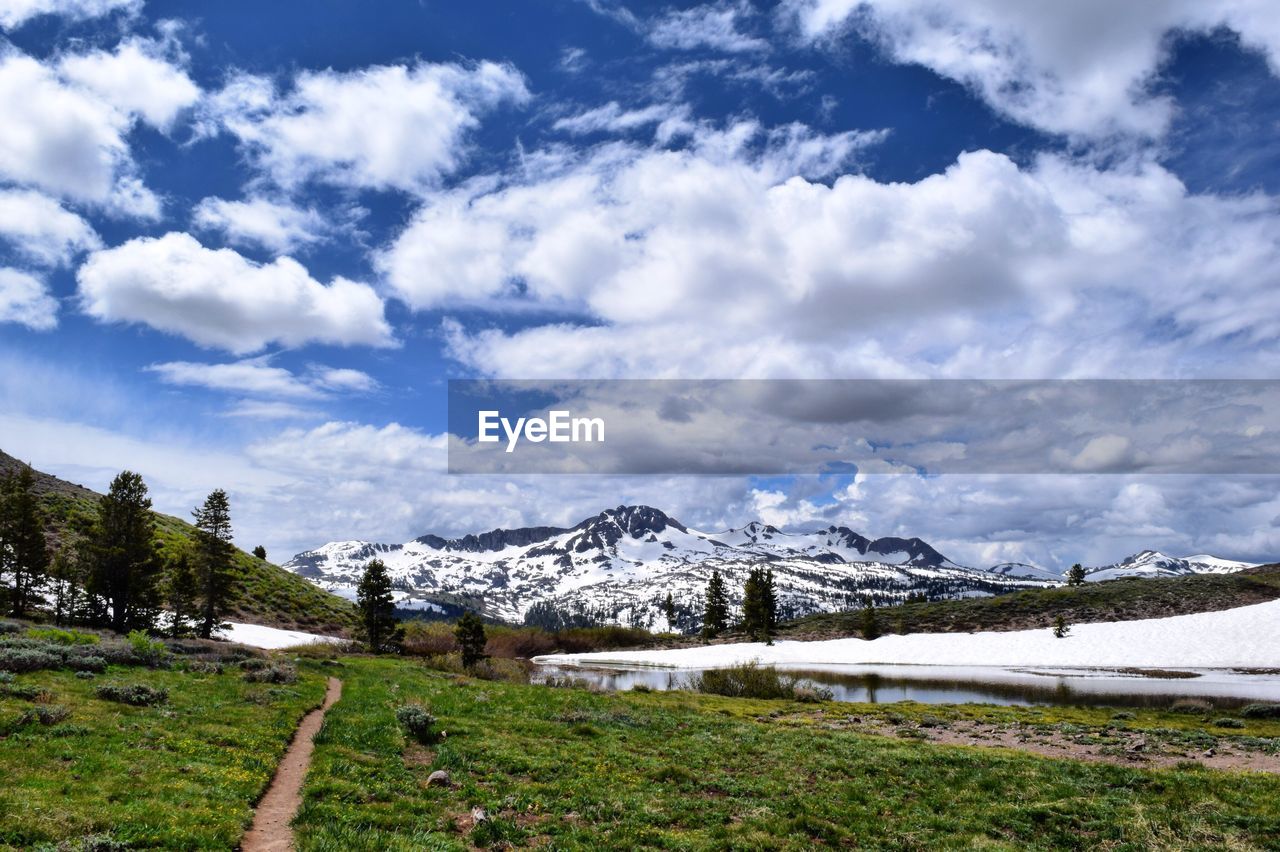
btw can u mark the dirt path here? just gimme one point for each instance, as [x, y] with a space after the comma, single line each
[270, 831]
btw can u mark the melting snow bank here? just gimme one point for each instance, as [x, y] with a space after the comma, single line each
[1245, 637]
[257, 636]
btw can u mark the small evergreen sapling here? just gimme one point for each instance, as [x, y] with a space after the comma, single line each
[377, 607]
[471, 638]
[1060, 627]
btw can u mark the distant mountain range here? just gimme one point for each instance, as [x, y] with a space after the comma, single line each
[620, 565]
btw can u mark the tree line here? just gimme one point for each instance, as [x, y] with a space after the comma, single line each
[759, 606]
[111, 574]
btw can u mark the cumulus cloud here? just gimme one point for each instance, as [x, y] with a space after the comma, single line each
[136, 79]
[1059, 269]
[383, 127]
[25, 300]
[220, 299]
[713, 26]
[1081, 68]
[68, 123]
[42, 231]
[15, 13]
[277, 226]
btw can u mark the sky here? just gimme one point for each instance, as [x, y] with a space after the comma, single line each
[245, 245]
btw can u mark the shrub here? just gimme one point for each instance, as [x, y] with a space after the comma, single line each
[1228, 722]
[522, 642]
[9, 627]
[203, 667]
[84, 675]
[807, 694]
[1190, 706]
[136, 694]
[27, 660]
[274, 673]
[429, 638]
[417, 722]
[45, 714]
[746, 680]
[1122, 716]
[6, 678]
[63, 637]
[148, 651]
[1261, 711]
[253, 664]
[87, 665]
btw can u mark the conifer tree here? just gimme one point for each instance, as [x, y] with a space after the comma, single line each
[182, 590]
[125, 570]
[770, 604]
[214, 553]
[260, 552]
[377, 608]
[755, 615]
[870, 624]
[1075, 577]
[715, 612]
[669, 610]
[67, 573]
[471, 638]
[24, 554]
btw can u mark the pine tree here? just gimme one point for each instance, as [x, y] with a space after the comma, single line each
[377, 608]
[125, 570]
[669, 610]
[870, 624]
[24, 554]
[260, 552]
[182, 592]
[1060, 627]
[755, 614]
[715, 613]
[471, 638]
[770, 605]
[1075, 577]
[214, 553]
[69, 576]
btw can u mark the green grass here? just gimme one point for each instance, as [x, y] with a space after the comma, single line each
[1113, 600]
[182, 775]
[574, 769]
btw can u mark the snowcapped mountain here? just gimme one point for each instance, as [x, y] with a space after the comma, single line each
[1153, 563]
[620, 565]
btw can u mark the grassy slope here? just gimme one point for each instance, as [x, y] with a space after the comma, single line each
[578, 770]
[261, 592]
[1114, 600]
[180, 776]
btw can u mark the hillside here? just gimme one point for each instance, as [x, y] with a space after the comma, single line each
[1113, 600]
[261, 593]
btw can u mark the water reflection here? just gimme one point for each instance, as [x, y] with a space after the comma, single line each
[943, 685]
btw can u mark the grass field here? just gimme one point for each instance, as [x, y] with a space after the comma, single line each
[575, 769]
[180, 775]
[579, 770]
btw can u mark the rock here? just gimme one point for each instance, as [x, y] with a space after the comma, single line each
[1137, 745]
[1210, 752]
[478, 815]
[439, 778]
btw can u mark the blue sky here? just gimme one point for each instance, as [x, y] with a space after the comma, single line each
[244, 244]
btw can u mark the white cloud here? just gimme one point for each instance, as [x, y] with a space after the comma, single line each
[279, 227]
[70, 140]
[254, 377]
[383, 127]
[40, 230]
[257, 377]
[135, 79]
[1080, 68]
[218, 298]
[15, 13]
[24, 300]
[1056, 269]
[669, 119]
[713, 26]
[260, 409]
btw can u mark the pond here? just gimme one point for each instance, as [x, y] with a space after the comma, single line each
[1223, 688]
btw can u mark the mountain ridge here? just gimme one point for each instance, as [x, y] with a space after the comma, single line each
[619, 565]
